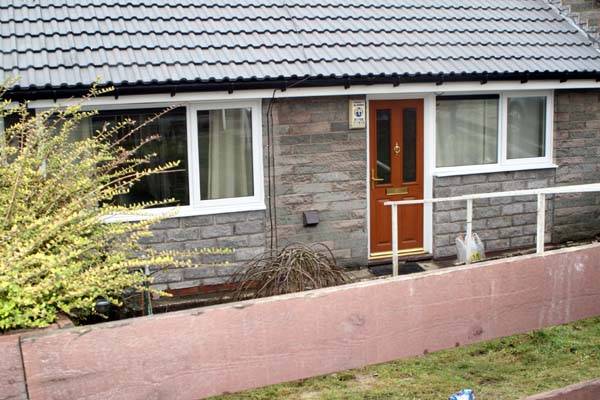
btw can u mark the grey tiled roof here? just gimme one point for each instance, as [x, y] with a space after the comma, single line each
[64, 43]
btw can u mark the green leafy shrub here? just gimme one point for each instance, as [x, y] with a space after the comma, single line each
[57, 253]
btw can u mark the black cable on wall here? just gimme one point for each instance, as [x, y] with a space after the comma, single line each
[271, 176]
[271, 169]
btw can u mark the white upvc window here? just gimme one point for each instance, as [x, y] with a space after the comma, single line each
[225, 150]
[218, 144]
[495, 132]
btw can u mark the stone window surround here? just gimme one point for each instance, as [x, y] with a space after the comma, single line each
[503, 163]
[197, 206]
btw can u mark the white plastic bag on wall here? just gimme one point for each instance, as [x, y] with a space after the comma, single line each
[477, 249]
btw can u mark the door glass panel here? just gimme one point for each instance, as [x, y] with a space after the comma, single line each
[409, 145]
[384, 132]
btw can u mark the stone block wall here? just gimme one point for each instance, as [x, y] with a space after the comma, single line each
[320, 165]
[242, 232]
[585, 13]
[502, 223]
[577, 153]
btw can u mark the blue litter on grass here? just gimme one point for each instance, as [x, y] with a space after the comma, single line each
[465, 394]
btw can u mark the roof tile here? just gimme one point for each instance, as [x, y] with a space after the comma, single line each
[69, 42]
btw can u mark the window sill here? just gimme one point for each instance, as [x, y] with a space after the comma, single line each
[186, 211]
[490, 169]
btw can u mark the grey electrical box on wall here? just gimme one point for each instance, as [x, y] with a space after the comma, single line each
[310, 218]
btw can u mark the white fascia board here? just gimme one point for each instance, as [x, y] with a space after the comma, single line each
[372, 90]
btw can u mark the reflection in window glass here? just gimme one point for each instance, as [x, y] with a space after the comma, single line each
[466, 131]
[225, 153]
[526, 128]
[171, 145]
[384, 132]
[16, 138]
[81, 131]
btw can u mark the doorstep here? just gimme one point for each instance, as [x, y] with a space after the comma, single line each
[408, 258]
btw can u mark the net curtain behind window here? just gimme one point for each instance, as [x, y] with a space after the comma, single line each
[467, 132]
[226, 159]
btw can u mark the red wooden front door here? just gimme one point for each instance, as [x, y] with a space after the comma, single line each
[395, 173]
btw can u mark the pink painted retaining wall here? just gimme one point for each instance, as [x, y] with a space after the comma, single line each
[201, 352]
[12, 380]
[589, 390]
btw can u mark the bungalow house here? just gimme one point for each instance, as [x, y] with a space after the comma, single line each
[296, 119]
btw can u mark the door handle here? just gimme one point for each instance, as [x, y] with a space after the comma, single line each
[374, 178]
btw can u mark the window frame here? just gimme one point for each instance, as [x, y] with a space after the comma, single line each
[256, 202]
[548, 134]
[504, 163]
[219, 206]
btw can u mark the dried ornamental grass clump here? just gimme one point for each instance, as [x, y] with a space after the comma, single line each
[295, 268]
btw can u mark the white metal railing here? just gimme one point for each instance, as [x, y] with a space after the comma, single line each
[541, 212]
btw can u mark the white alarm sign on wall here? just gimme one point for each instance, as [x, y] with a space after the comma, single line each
[358, 114]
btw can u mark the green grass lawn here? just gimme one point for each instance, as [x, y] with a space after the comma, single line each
[508, 368]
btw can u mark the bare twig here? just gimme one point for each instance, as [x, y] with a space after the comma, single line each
[295, 268]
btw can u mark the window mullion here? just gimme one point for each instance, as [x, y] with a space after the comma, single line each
[549, 127]
[193, 162]
[502, 133]
[257, 152]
